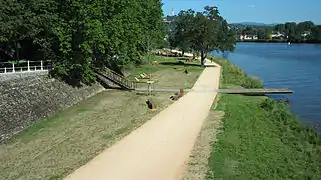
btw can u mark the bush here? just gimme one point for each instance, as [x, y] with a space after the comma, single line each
[252, 82]
[235, 75]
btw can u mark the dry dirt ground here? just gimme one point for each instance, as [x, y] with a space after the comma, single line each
[159, 149]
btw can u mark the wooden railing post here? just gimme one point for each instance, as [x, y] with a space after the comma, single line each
[13, 68]
[28, 66]
[5, 70]
[41, 66]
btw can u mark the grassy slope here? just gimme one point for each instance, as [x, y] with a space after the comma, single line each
[261, 139]
[171, 71]
[60, 144]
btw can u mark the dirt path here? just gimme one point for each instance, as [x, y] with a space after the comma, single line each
[160, 148]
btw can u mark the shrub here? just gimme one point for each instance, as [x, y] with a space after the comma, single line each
[235, 75]
[252, 82]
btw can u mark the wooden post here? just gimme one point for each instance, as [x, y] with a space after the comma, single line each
[151, 105]
[181, 92]
[28, 66]
[35, 68]
[5, 70]
[41, 66]
[13, 68]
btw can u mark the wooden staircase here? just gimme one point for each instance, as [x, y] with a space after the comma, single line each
[121, 81]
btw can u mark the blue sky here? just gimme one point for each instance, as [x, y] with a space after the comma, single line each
[262, 11]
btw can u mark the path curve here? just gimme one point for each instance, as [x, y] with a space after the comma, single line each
[160, 148]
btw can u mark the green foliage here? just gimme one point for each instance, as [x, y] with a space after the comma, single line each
[233, 75]
[261, 138]
[79, 35]
[316, 34]
[305, 31]
[305, 26]
[180, 36]
[252, 82]
[280, 28]
[202, 32]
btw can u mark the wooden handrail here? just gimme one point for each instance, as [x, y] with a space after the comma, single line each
[120, 79]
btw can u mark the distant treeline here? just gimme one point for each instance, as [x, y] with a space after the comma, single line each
[79, 35]
[294, 32]
[279, 41]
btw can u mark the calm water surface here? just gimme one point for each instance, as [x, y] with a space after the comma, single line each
[295, 66]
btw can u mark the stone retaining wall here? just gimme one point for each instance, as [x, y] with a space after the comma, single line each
[26, 99]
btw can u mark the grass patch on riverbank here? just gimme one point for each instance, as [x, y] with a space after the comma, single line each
[261, 139]
[235, 76]
[55, 147]
[168, 72]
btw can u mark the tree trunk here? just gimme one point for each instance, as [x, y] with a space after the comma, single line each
[203, 57]
[183, 53]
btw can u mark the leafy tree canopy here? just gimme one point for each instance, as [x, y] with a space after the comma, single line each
[202, 32]
[80, 35]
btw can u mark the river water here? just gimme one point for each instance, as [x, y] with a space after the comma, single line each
[279, 65]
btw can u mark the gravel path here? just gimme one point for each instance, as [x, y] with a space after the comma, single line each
[160, 148]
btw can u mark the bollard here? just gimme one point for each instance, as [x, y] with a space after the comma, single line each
[28, 66]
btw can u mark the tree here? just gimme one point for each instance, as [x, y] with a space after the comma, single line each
[180, 36]
[305, 26]
[249, 30]
[291, 30]
[316, 34]
[280, 28]
[211, 32]
[261, 34]
[99, 33]
[80, 35]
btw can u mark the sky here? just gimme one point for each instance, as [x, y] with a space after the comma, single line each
[260, 11]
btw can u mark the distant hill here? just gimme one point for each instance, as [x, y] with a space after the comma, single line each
[251, 24]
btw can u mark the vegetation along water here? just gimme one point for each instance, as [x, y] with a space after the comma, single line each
[260, 138]
[282, 66]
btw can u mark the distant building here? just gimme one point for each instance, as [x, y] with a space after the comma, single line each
[277, 35]
[245, 37]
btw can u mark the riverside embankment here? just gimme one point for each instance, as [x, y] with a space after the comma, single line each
[296, 67]
[260, 138]
[27, 98]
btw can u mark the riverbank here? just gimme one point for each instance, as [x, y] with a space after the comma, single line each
[58, 145]
[260, 138]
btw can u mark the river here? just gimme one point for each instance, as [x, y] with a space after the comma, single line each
[279, 65]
